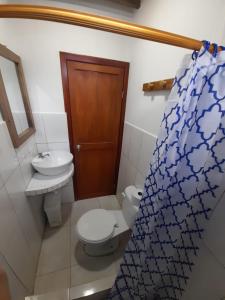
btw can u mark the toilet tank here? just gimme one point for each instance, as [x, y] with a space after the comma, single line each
[130, 204]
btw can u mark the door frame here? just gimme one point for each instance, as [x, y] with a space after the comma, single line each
[64, 58]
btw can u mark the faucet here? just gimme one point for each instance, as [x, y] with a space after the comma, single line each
[43, 154]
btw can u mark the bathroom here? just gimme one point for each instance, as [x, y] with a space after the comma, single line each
[51, 262]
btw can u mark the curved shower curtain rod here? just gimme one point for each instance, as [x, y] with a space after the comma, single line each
[97, 22]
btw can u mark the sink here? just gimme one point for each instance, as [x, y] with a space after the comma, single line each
[52, 162]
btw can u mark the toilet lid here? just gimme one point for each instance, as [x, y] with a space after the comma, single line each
[96, 226]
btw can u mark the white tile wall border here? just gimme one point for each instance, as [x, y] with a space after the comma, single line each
[51, 131]
[137, 149]
[141, 129]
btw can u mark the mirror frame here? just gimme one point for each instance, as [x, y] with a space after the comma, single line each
[17, 139]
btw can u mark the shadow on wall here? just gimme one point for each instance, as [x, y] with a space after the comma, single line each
[153, 95]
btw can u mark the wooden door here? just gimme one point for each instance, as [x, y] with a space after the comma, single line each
[94, 94]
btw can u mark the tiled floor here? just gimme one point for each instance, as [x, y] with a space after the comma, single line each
[63, 263]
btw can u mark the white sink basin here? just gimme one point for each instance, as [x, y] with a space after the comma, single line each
[52, 163]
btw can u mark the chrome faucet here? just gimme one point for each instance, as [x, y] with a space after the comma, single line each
[43, 155]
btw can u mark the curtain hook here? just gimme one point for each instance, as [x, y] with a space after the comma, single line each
[215, 50]
[222, 48]
[206, 44]
[194, 55]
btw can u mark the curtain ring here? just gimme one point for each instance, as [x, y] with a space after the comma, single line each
[222, 48]
[206, 44]
[194, 55]
[215, 50]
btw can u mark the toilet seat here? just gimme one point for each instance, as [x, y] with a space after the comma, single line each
[96, 226]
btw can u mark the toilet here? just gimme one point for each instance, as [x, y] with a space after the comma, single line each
[99, 229]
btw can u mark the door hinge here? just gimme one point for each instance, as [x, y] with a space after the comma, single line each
[122, 94]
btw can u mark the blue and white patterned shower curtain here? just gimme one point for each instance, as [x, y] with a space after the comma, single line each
[182, 186]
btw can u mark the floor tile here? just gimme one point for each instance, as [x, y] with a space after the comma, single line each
[95, 288]
[66, 213]
[55, 250]
[62, 250]
[118, 255]
[75, 246]
[85, 269]
[78, 255]
[92, 270]
[82, 206]
[56, 295]
[52, 282]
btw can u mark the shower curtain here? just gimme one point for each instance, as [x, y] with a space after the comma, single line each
[183, 184]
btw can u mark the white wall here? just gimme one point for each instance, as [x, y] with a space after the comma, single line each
[39, 43]
[153, 61]
[149, 62]
[39, 49]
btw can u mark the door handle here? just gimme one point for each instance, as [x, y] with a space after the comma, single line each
[78, 148]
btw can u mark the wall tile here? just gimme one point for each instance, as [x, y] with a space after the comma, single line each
[27, 169]
[135, 145]
[8, 158]
[25, 149]
[13, 243]
[136, 154]
[55, 127]
[42, 147]
[15, 187]
[207, 278]
[215, 232]
[139, 180]
[25, 154]
[145, 154]
[21, 221]
[59, 146]
[17, 290]
[127, 174]
[40, 135]
[122, 174]
[126, 139]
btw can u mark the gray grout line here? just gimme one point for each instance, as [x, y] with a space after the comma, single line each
[212, 254]
[12, 270]
[59, 270]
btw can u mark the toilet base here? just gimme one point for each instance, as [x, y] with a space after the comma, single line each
[106, 248]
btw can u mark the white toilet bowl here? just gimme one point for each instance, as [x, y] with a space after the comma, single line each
[99, 229]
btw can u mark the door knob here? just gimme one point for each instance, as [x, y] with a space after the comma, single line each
[78, 148]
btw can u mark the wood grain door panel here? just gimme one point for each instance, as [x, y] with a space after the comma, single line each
[96, 108]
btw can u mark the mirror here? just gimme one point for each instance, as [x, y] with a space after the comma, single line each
[14, 101]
